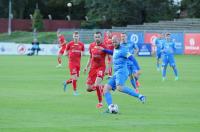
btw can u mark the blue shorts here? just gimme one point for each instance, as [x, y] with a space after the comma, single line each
[158, 55]
[119, 78]
[131, 69]
[168, 59]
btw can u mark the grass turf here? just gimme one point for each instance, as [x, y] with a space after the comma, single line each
[32, 99]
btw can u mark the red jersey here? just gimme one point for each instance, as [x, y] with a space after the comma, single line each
[97, 55]
[61, 40]
[108, 44]
[74, 51]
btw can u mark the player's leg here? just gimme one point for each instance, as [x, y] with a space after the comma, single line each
[158, 56]
[99, 78]
[173, 65]
[111, 85]
[120, 81]
[91, 80]
[98, 91]
[132, 79]
[164, 66]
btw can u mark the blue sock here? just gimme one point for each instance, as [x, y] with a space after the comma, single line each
[136, 78]
[164, 72]
[129, 91]
[108, 98]
[133, 83]
[175, 71]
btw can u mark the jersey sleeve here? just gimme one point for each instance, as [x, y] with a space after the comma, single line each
[68, 46]
[83, 47]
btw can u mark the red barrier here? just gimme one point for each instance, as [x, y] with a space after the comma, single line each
[192, 43]
[26, 24]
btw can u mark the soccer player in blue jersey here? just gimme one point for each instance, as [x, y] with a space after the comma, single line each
[133, 66]
[168, 56]
[117, 81]
[159, 44]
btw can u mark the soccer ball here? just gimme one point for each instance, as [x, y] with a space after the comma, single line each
[113, 108]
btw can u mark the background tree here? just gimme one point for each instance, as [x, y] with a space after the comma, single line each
[37, 22]
[192, 7]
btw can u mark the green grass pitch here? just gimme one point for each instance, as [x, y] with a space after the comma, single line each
[32, 99]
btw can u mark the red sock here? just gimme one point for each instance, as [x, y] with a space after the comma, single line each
[69, 81]
[59, 60]
[99, 94]
[74, 84]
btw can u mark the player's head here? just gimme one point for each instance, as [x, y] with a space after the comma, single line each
[98, 38]
[162, 35]
[115, 42]
[35, 40]
[167, 36]
[58, 34]
[109, 34]
[76, 36]
[123, 37]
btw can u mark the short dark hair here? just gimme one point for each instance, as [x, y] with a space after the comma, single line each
[76, 32]
[98, 32]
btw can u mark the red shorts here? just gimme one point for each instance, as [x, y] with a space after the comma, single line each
[93, 73]
[62, 50]
[74, 69]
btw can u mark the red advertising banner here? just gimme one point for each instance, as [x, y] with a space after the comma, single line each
[151, 38]
[192, 43]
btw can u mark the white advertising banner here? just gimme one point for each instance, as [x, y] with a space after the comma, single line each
[24, 49]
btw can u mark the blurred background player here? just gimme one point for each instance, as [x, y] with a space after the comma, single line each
[117, 81]
[75, 50]
[97, 66]
[168, 56]
[62, 45]
[109, 45]
[133, 66]
[158, 45]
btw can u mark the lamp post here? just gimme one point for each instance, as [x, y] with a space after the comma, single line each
[69, 5]
[9, 17]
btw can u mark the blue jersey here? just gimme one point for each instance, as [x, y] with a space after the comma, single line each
[131, 49]
[120, 58]
[159, 44]
[169, 47]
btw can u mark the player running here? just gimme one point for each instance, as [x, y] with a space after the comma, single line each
[109, 45]
[62, 46]
[168, 56]
[97, 66]
[75, 50]
[117, 81]
[133, 66]
[158, 45]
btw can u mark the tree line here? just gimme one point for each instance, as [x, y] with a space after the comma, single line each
[102, 13]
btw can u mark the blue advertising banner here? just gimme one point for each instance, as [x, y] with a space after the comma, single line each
[144, 49]
[135, 37]
[178, 39]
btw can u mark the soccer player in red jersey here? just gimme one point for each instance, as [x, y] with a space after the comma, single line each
[97, 66]
[62, 46]
[109, 45]
[75, 50]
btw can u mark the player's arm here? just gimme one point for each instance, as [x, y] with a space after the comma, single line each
[132, 58]
[107, 51]
[88, 65]
[108, 65]
[89, 61]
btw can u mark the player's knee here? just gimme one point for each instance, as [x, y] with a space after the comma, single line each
[119, 88]
[107, 88]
